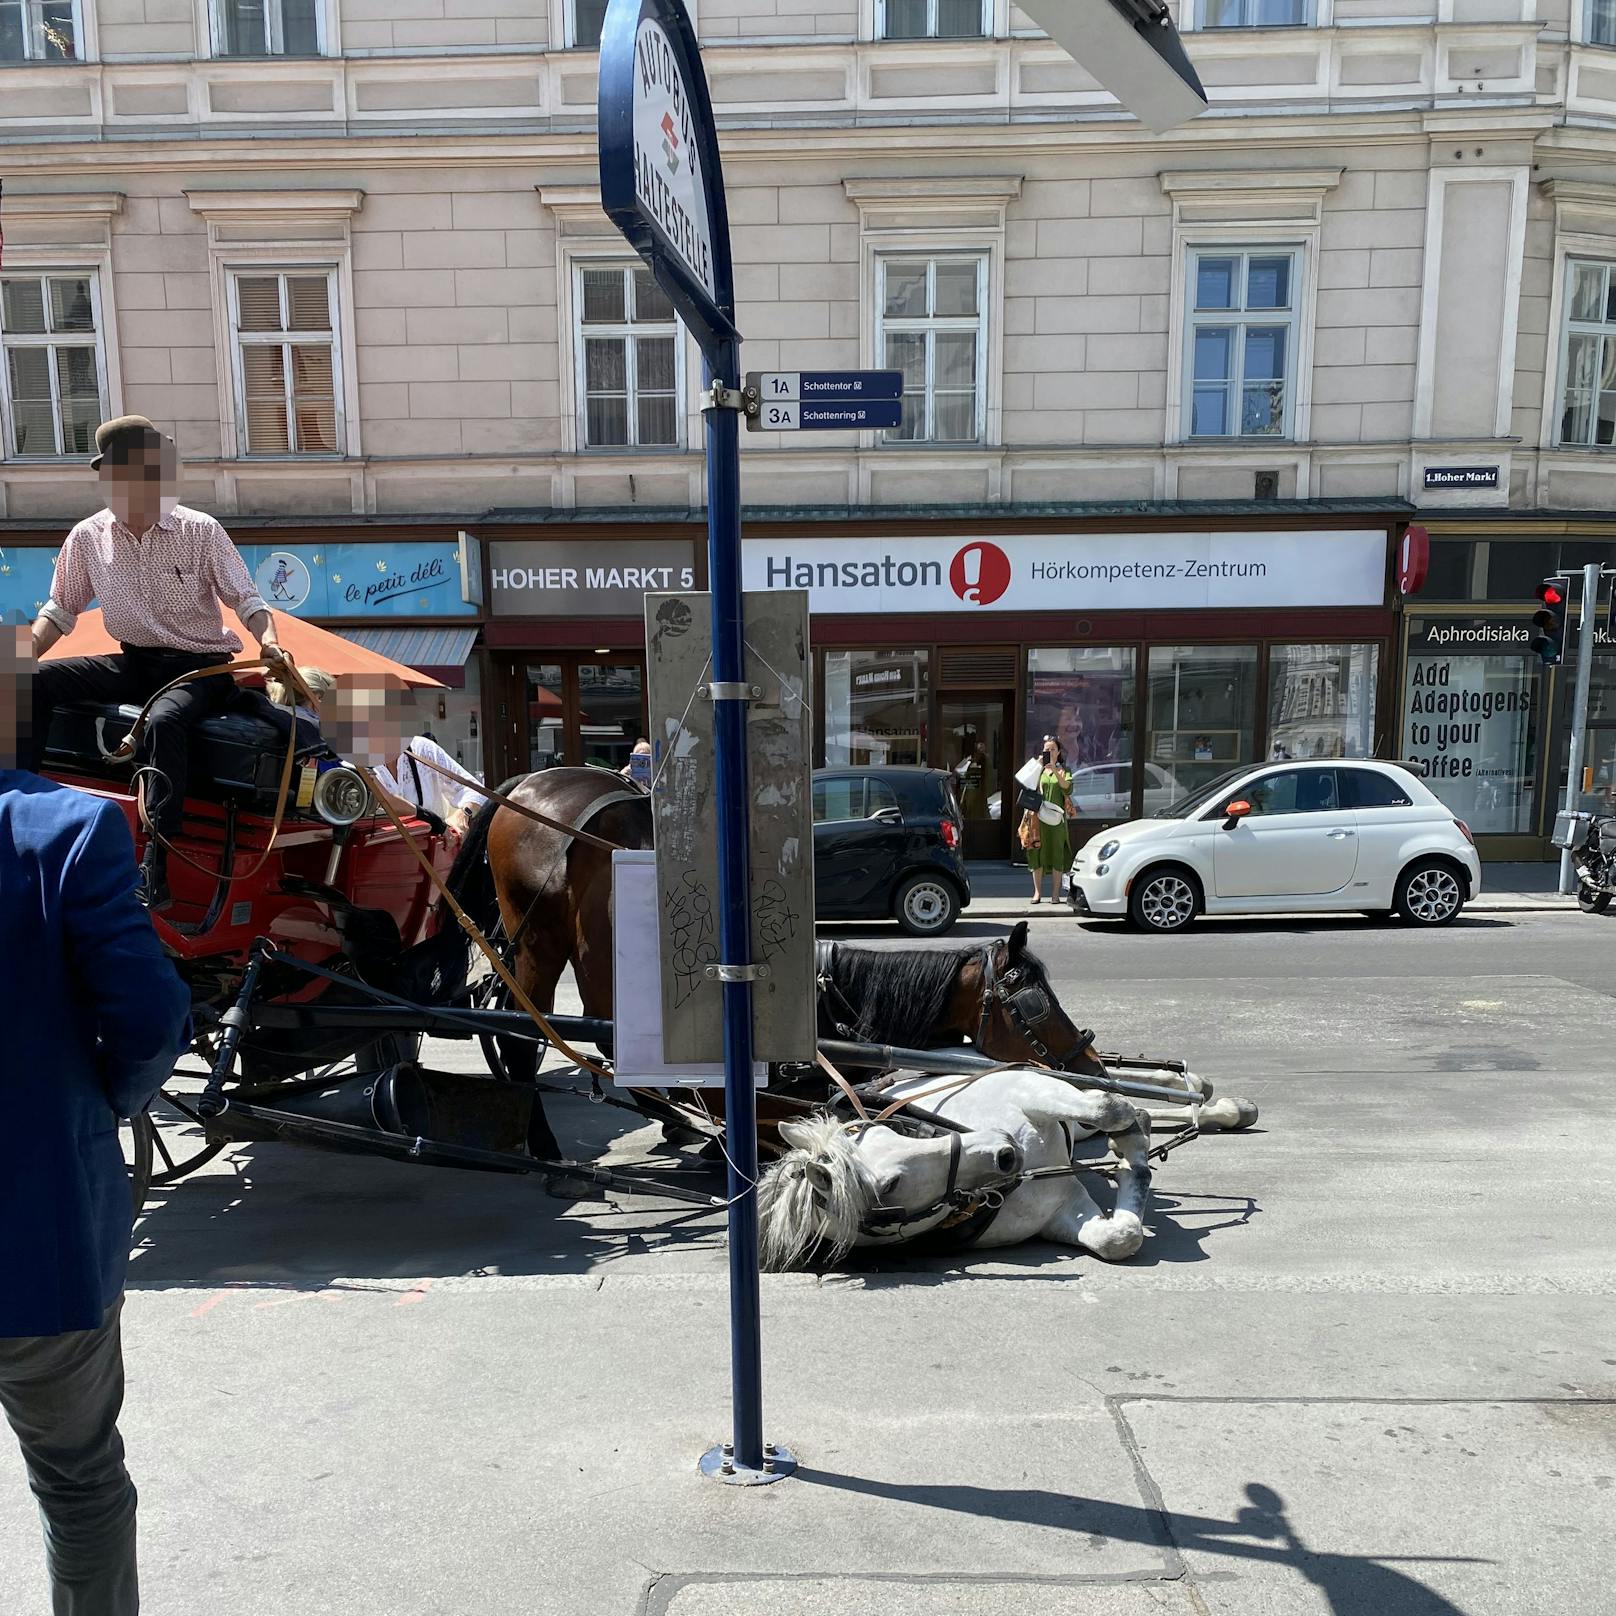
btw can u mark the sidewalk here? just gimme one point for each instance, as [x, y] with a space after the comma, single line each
[1004, 891]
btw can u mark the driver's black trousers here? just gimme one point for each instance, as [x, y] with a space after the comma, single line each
[132, 675]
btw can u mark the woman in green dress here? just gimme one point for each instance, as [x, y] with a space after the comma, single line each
[1054, 850]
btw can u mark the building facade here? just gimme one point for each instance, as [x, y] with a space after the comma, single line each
[351, 253]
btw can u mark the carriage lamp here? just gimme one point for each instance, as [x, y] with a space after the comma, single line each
[340, 796]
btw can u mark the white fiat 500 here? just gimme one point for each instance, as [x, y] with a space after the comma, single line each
[1274, 837]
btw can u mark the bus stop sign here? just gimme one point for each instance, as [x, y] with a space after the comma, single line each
[660, 180]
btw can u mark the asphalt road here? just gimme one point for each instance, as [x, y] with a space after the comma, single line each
[1363, 1366]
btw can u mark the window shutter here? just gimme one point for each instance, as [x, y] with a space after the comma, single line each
[259, 297]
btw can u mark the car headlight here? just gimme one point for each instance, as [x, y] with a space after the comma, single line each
[1108, 850]
[340, 796]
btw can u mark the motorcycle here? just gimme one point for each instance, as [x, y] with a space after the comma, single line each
[1591, 841]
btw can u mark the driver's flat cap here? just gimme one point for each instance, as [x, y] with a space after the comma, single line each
[119, 436]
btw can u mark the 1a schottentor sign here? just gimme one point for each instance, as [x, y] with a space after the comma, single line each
[1075, 572]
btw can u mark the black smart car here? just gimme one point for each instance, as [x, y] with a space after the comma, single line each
[888, 841]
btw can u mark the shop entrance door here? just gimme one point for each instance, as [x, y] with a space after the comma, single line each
[582, 709]
[975, 732]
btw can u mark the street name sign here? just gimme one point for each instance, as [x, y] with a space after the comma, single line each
[823, 400]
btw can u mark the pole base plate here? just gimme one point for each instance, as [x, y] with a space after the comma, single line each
[719, 1464]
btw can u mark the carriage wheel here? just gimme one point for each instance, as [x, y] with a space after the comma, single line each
[510, 1060]
[170, 1136]
[138, 1154]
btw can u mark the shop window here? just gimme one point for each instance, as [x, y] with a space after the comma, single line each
[1470, 725]
[1588, 368]
[1241, 336]
[1255, 13]
[933, 19]
[1599, 755]
[1084, 697]
[1321, 700]
[39, 31]
[1514, 568]
[876, 705]
[1451, 564]
[932, 326]
[287, 385]
[1202, 706]
[546, 716]
[52, 385]
[630, 360]
[268, 27]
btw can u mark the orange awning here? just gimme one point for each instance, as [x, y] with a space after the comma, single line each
[308, 643]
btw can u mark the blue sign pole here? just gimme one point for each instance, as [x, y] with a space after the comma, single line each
[735, 920]
[662, 185]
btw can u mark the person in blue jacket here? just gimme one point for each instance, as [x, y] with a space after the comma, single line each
[93, 1016]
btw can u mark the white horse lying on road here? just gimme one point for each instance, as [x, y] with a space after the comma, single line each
[1005, 1177]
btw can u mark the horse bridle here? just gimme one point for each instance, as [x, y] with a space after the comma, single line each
[960, 1203]
[1027, 1005]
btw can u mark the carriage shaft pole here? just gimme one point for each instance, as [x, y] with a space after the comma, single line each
[952, 1062]
[734, 912]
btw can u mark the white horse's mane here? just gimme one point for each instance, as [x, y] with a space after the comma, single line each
[817, 1193]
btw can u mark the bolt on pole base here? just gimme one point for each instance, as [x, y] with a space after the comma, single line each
[719, 1463]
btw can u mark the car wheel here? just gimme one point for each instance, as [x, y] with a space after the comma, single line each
[1429, 893]
[926, 905]
[1591, 902]
[1163, 900]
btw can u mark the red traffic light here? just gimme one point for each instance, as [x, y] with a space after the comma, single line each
[1549, 593]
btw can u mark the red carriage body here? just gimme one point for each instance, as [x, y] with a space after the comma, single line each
[227, 893]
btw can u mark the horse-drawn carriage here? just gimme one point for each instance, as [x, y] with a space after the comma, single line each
[323, 940]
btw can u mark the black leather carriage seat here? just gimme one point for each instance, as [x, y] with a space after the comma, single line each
[235, 755]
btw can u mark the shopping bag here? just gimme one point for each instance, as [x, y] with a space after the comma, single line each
[1027, 834]
[1027, 775]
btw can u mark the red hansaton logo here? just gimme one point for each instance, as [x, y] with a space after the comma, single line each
[670, 142]
[980, 573]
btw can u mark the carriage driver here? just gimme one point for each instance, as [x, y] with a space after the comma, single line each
[158, 571]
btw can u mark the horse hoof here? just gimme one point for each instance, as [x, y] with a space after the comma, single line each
[1228, 1114]
[1116, 1238]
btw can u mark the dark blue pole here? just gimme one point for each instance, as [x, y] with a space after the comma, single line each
[734, 912]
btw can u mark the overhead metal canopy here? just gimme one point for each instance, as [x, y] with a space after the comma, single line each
[1133, 49]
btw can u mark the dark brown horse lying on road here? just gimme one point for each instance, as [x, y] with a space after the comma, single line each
[552, 890]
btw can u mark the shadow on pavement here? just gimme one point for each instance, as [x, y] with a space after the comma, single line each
[1354, 1585]
[290, 1213]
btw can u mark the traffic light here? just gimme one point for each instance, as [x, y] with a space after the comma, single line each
[1549, 620]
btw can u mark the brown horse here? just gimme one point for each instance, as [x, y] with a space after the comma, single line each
[551, 891]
